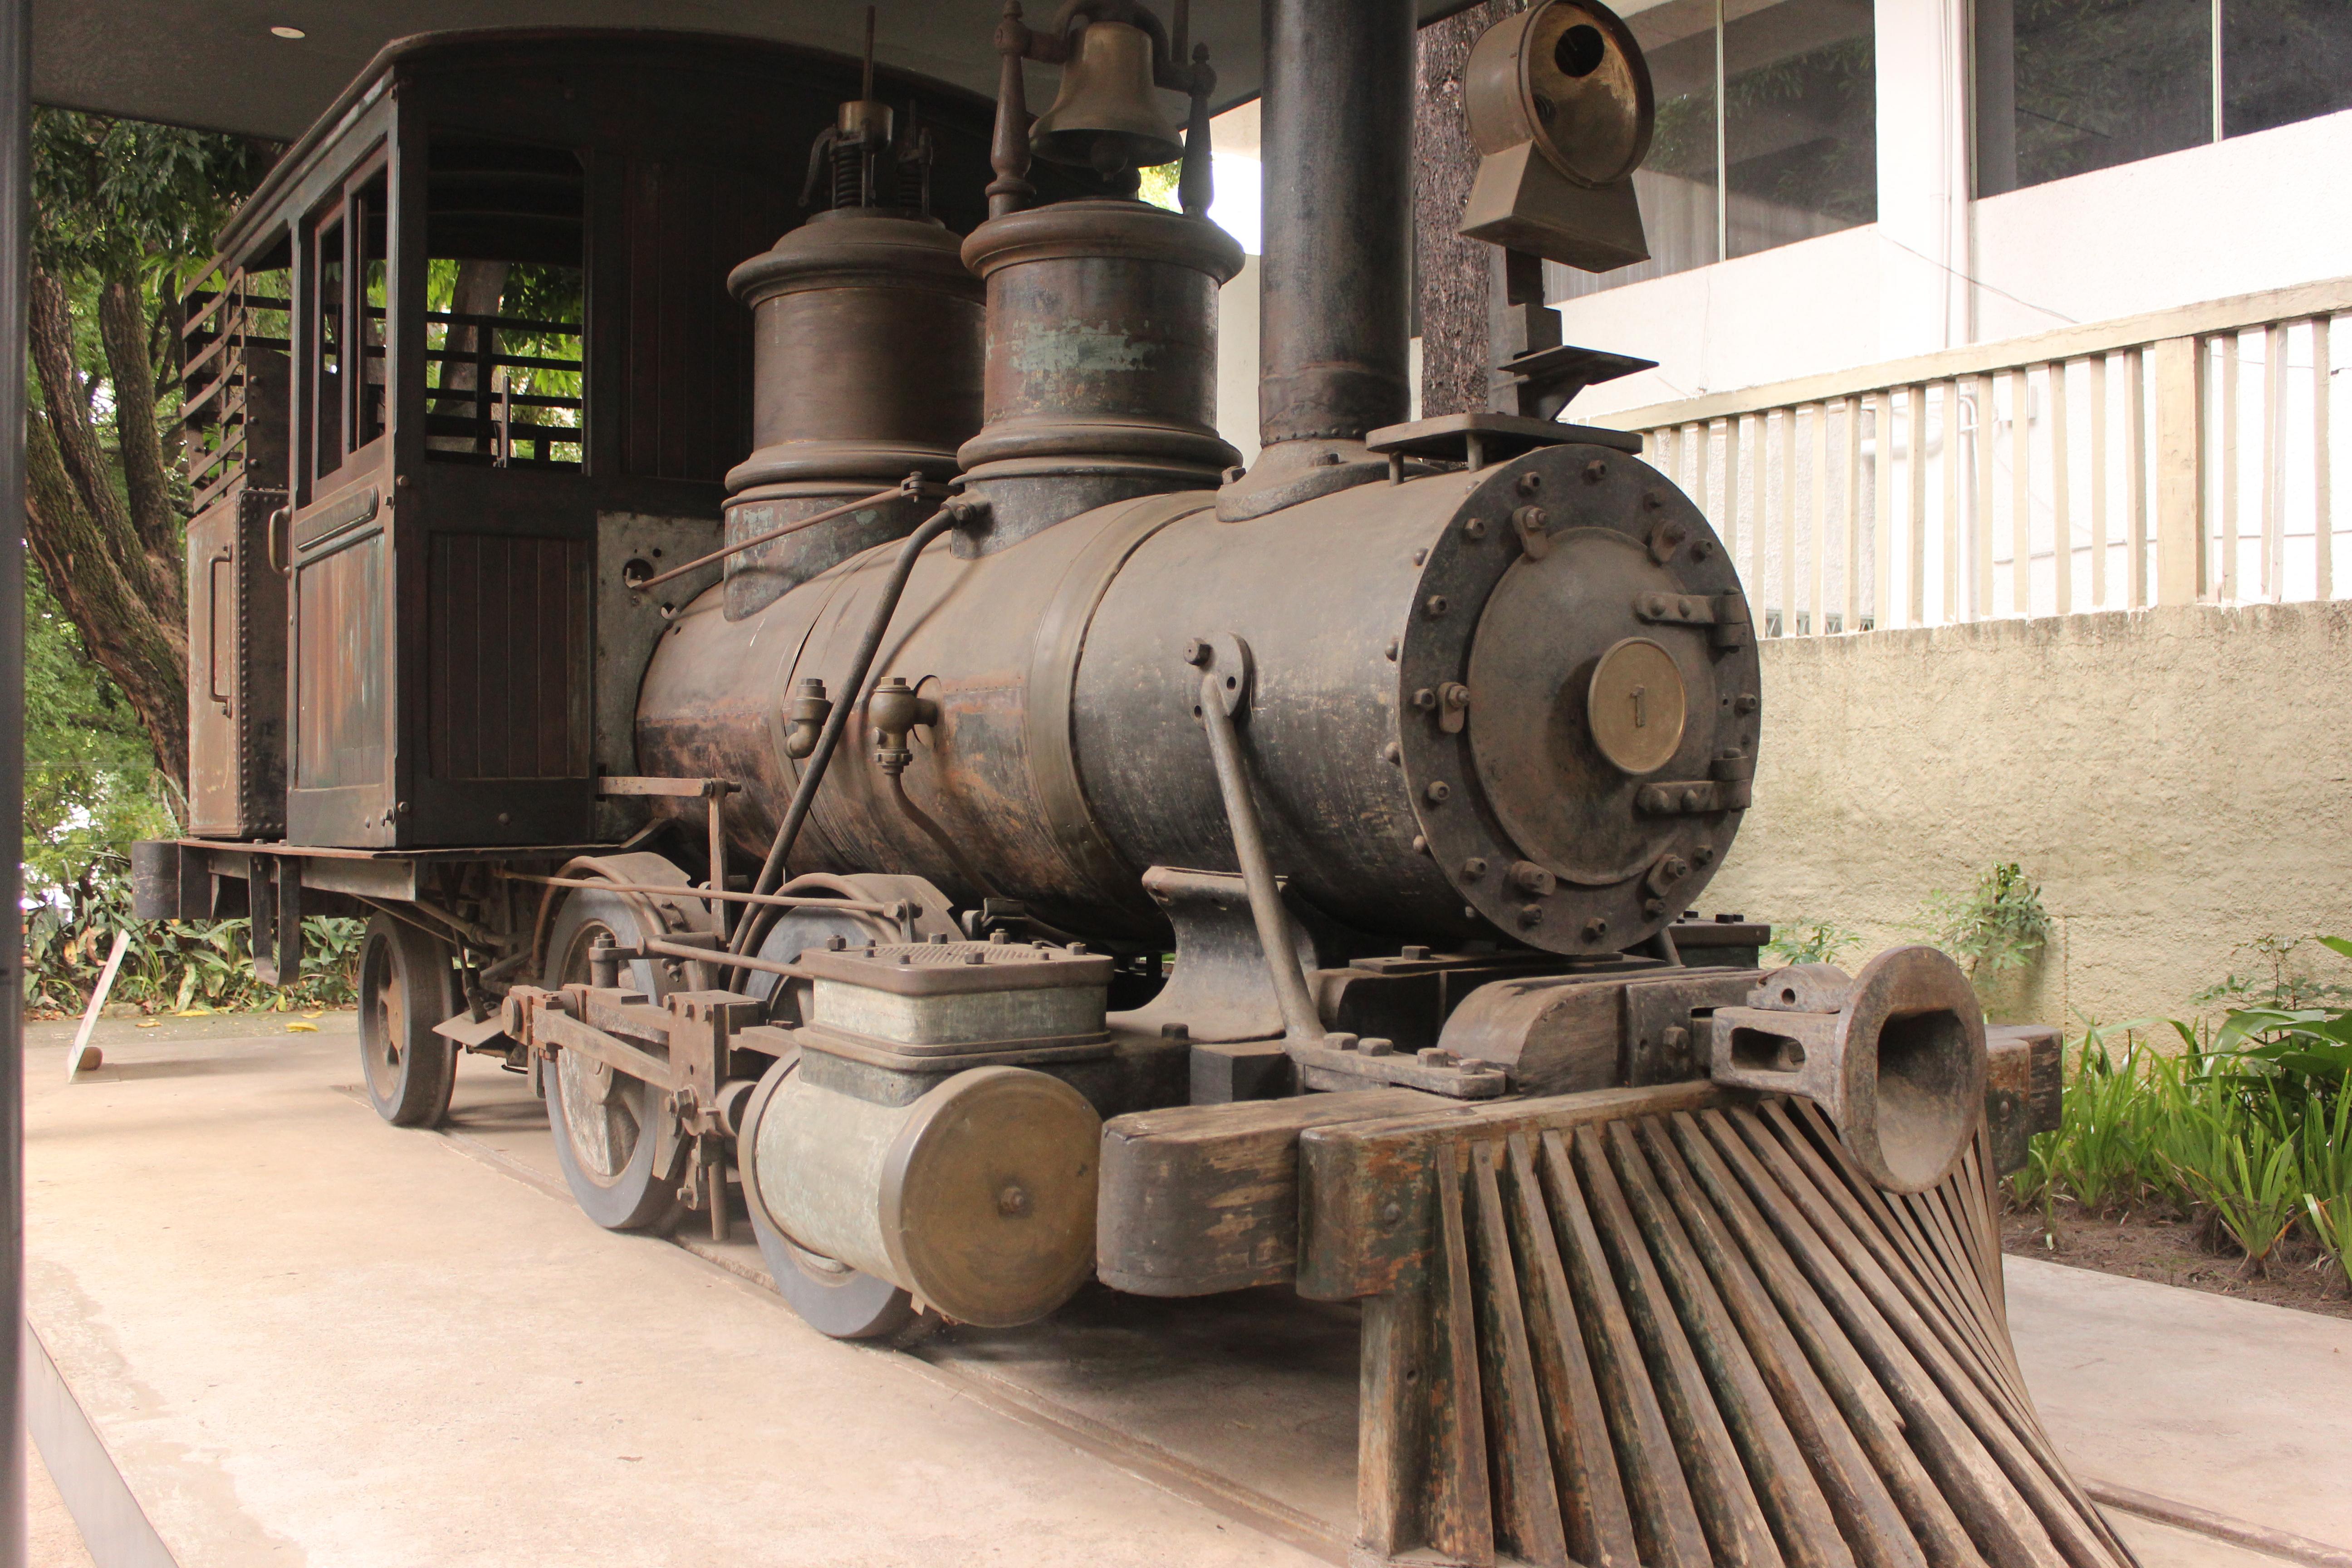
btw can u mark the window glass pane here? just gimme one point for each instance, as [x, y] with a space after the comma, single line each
[2284, 60]
[1676, 183]
[2064, 87]
[1800, 115]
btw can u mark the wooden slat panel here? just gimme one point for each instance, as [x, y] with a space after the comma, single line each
[1927, 1337]
[341, 723]
[2224, 350]
[1852, 514]
[1979, 1489]
[1874, 1528]
[2099, 482]
[1527, 1506]
[2323, 539]
[1719, 1490]
[1915, 448]
[1599, 1527]
[2021, 493]
[1851, 1379]
[1784, 1487]
[1666, 1523]
[1461, 1514]
[2062, 464]
[509, 669]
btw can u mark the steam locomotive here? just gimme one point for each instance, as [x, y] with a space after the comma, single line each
[870, 754]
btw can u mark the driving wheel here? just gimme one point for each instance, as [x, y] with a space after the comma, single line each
[615, 1136]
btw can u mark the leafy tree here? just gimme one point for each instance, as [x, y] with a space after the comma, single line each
[123, 211]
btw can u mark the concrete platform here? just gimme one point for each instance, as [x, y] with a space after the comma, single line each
[303, 1337]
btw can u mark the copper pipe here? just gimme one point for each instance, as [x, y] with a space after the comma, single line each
[938, 835]
[906, 488]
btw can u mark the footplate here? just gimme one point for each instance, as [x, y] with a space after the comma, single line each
[1675, 1328]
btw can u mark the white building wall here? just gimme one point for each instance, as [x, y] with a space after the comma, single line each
[1937, 270]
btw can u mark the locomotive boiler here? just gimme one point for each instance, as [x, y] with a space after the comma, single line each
[981, 837]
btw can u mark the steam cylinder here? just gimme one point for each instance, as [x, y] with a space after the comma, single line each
[866, 334]
[1458, 725]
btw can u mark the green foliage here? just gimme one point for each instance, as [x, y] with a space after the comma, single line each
[2253, 1133]
[122, 198]
[2001, 925]
[2287, 983]
[181, 966]
[92, 787]
[1815, 941]
[1159, 186]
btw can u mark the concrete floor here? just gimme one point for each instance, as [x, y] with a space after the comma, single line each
[308, 1338]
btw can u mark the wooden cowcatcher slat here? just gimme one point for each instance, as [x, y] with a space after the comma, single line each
[1679, 1327]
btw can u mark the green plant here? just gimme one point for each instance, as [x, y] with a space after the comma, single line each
[2311, 1045]
[177, 965]
[1814, 942]
[2287, 984]
[2000, 925]
[2331, 1221]
[2248, 1177]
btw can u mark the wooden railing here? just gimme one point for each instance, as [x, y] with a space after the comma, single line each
[2177, 457]
[484, 419]
[232, 385]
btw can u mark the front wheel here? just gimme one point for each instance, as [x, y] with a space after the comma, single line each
[406, 986]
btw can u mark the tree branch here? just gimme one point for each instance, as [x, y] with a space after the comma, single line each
[66, 400]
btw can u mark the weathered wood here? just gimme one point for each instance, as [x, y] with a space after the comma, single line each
[1719, 1490]
[1873, 1530]
[1204, 1198]
[2035, 1535]
[1873, 1418]
[1600, 1530]
[1452, 271]
[1785, 1489]
[1527, 1506]
[1392, 1423]
[1666, 1523]
[1461, 1519]
[1646, 1339]
[1365, 1219]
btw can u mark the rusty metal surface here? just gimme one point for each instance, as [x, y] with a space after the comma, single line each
[865, 348]
[1894, 1056]
[1067, 759]
[1102, 366]
[236, 668]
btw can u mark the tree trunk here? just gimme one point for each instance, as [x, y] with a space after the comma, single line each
[122, 329]
[127, 599]
[1454, 357]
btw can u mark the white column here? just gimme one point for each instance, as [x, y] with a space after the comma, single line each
[1924, 302]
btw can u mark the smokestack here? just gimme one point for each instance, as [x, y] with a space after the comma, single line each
[1335, 309]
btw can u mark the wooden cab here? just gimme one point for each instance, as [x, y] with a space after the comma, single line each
[476, 327]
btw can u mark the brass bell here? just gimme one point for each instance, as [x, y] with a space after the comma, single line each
[1108, 115]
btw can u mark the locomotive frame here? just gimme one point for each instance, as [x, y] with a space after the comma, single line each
[1663, 1256]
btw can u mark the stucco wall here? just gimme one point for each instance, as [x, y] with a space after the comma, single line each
[2178, 781]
